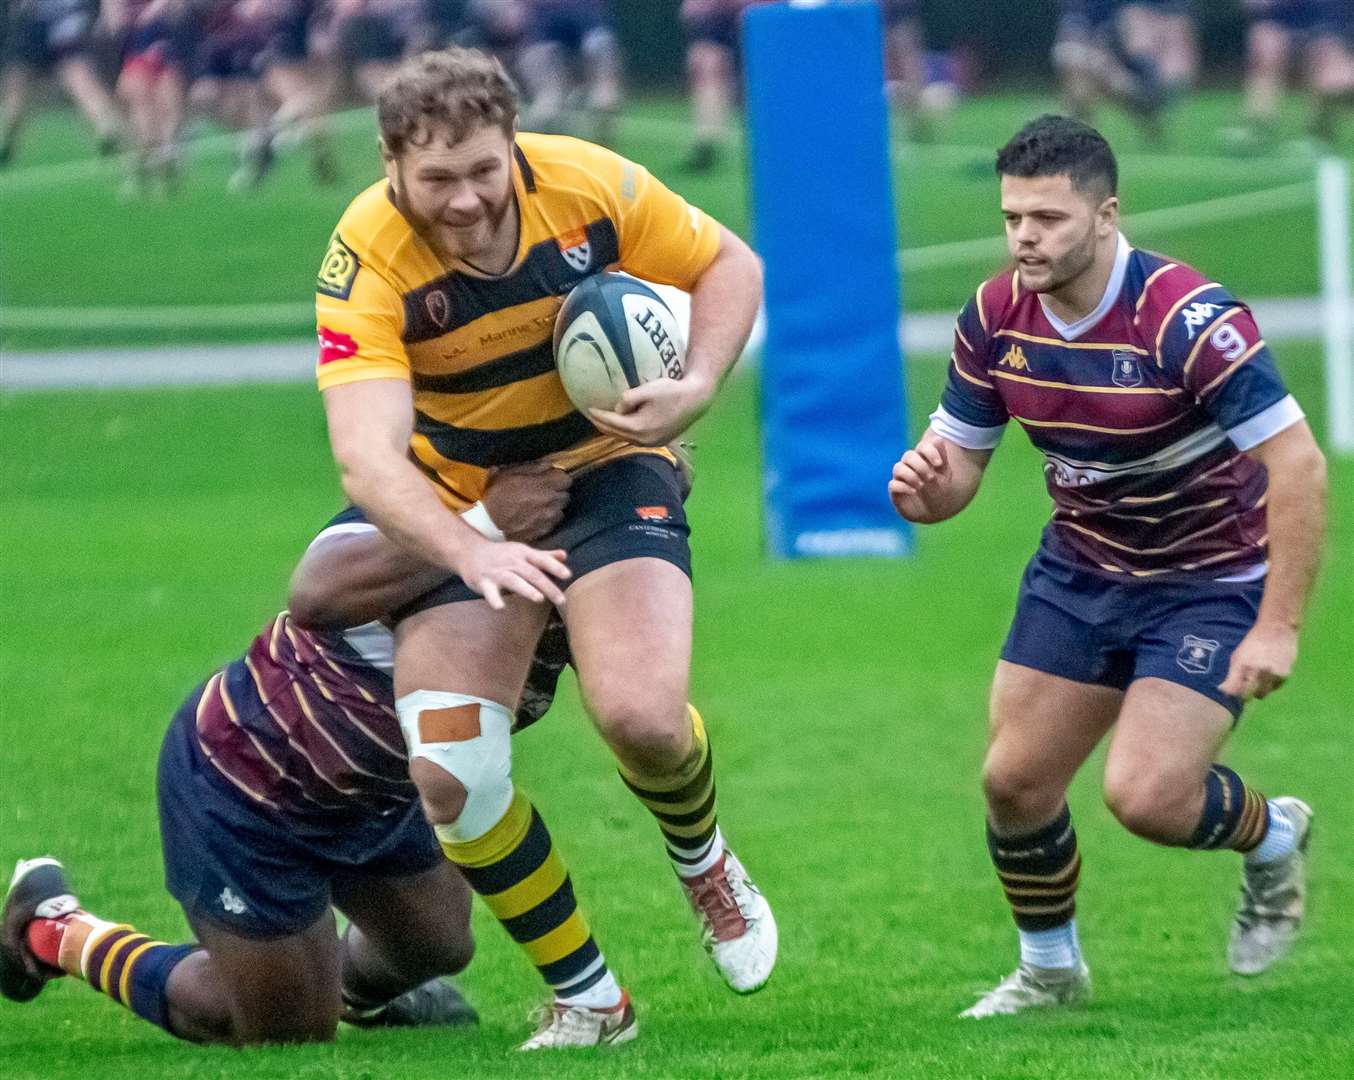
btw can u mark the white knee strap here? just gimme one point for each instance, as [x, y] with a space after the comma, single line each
[470, 738]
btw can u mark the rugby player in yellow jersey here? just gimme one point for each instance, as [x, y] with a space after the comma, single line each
[436, 307]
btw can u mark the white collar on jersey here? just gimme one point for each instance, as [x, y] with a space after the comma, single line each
[1072, 331]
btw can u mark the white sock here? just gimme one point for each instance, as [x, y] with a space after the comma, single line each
[603, 994]
[711, 856]
[1281, 839]
[1056, 948]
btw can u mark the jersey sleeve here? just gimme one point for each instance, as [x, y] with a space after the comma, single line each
[359, 319]
[1215, 350]
[662, 237]
[971, 412]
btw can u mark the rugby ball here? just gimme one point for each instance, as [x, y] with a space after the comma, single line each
[614, 333]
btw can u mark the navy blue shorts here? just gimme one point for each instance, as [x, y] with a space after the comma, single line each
[566, 24]
[1307, 18]
[626, 508]
[1087, 626]
[42, 43]
[261, 873]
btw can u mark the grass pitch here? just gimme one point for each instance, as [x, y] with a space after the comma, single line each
[146, 536]
[71, 243]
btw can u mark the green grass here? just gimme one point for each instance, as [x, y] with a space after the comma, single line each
[70, 242]
[146, 536]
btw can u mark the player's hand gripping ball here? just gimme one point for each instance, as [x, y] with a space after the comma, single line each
[614, 333]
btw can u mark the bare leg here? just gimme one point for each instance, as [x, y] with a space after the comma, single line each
[16, 88]
[92, 98]
[1166, 738]
[1043, 728]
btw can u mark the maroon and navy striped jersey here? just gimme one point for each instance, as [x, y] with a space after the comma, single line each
[1142, 410]
[305, 721]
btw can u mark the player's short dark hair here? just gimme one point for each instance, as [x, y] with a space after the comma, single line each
[452, 90]
[1059, 146]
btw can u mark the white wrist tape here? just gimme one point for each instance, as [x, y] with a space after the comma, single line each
[470, 738]
[477, 517]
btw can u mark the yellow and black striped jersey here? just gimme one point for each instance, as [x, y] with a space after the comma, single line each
[478, 348]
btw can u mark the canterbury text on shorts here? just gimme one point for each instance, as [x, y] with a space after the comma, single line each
[625, 508]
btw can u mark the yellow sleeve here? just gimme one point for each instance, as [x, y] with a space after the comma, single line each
[359, 319]
[663, 238]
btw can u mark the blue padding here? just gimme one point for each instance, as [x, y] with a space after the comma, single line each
[833, 409]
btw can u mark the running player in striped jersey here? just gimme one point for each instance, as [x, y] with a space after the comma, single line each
[284, 790]
[436, 305]
[1189, 510]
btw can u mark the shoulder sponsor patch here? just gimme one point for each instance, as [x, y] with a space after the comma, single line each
[335, 346]
[338, 270]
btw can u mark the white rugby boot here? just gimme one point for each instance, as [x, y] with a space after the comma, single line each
[560, 1026]
[737, 927]
[1273, 900]
[1033, 988]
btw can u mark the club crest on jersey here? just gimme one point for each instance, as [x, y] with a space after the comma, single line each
[338, 270]
[439, 308]
[1127, 371]
[576, 249]
[1196, 654]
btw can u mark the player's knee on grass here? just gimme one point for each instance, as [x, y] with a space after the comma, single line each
[460, 759]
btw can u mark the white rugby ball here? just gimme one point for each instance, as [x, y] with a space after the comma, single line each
[614, 333]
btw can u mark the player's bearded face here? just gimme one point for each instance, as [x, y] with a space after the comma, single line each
[1052, 230]
[458, 196]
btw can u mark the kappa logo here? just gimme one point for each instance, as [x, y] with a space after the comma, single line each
[1197, 314]
[1014, 359]
[338, 270]
[1196, 654]
[439, 308]
[232, 903]
[576, 249]
[1127, 371]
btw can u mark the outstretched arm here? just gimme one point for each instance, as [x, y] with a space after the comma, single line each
[936, 479]
[370, 424]
[350, 577]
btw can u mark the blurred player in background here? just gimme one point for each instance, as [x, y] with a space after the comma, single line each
[158, 40]
[713, 51]
[436, 307]
[52, 37]
[284, 789]
[1189, 511]
[571, 56]
[1314, 33]
[1136, 54]
[366, 39]
[291, 93]
[496, 26]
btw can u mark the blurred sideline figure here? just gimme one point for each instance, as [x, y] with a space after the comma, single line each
[571, 63]
[1139, 55]
[53, 37]
[1315, 32]
[713, 51]
[153, 84]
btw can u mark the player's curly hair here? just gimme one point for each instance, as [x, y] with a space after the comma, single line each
[452, 91]
[1059, 146]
